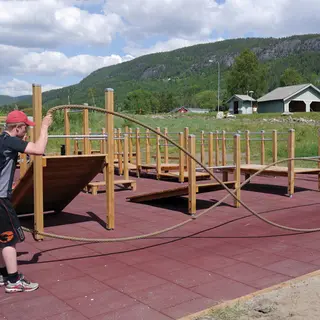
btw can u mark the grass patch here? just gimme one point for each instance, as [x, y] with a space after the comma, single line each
[306, 133]
[230, 312]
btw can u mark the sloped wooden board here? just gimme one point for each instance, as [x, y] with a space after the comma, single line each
[64, 177]
[179, 191]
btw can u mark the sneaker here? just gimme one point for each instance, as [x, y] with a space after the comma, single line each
[21, 285]
[3, 280]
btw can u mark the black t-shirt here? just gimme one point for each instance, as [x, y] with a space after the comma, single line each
[9, 149]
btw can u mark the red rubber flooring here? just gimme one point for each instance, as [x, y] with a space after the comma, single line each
[224, 254]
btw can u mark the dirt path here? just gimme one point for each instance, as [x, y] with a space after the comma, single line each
[298, 300]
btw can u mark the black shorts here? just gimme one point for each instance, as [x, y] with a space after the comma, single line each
[10, 228]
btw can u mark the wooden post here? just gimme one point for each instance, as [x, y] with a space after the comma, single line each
[165, 151]
[109, 168]
[130, 145]
[247, 137]
[262, 159]
[125, 157]
[181, 158]
[67, 131]
[186, 134]
[86, 147]
[120, 156]
[75, 146]
[23, 162]
[237, 171]
[158, 155]
[210, 150]
[224, 155]
[37, 162]
[202, 148]
[192, 181]
[274, 146]
[148, 159]
[103, 142]
[217, 148]
[291, 154]
[138, 152]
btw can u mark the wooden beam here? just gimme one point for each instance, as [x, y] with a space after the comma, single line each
[109, 168]
[67, 130]
[291, 153]
[181, 158]
[37, 163]
[237, 171]
[192, 181]
[86, 142]
[274, 146]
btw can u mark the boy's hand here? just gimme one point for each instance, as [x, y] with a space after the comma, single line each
[47, 120]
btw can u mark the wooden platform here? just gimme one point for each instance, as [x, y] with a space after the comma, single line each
[275, 170]
[163, 166]
[176, 175]
[95, 186]
[63, 179]
[131, 166]
[179, 191]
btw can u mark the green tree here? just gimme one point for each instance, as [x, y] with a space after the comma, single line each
[92, 94]
[247, 74]
[290, 77]
[206, 99]
[141, 102]
[167, 101]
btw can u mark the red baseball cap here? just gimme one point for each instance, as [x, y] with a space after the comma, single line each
[19, 116]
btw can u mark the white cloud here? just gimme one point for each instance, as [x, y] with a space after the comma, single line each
[20, 61]
[49, 23]
[54, 63]
[162, 46]
[189, 19]
[16, 87]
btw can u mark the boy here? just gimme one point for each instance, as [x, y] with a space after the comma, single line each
[11, 143]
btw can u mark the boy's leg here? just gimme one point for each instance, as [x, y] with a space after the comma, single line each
[10, 234]
[3, 271]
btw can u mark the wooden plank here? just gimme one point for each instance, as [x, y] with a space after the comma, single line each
[95, 186]
[184, 174]
[164, 166]
[274, 170]
[63, 179]
[192, 186]
[37, 203]
[108, 171]
[179, 191]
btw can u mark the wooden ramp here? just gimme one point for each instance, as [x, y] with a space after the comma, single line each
[64, 177]
[176, 175]
[276, 170]
[164, 166]
[179, 191]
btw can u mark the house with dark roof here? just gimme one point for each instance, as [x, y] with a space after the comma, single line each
[189, 110]
[241, 104]
[297, 98]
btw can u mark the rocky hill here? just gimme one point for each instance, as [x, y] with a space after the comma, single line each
[190, 70]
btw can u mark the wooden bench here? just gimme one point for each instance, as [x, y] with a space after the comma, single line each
[94, 186]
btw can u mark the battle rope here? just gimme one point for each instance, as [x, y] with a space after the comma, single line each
[62, 107]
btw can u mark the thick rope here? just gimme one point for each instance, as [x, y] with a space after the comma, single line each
[62, 107]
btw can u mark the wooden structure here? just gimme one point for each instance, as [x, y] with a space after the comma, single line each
[61, 171]
[192, 188]
[289, 171]
[63, 179]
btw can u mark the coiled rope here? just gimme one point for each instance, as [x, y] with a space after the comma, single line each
[230, 193]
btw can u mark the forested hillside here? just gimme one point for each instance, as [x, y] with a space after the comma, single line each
[189, 76]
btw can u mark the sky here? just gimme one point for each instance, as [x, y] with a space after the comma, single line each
[56, 43]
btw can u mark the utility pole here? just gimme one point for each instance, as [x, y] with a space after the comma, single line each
[218, 85]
